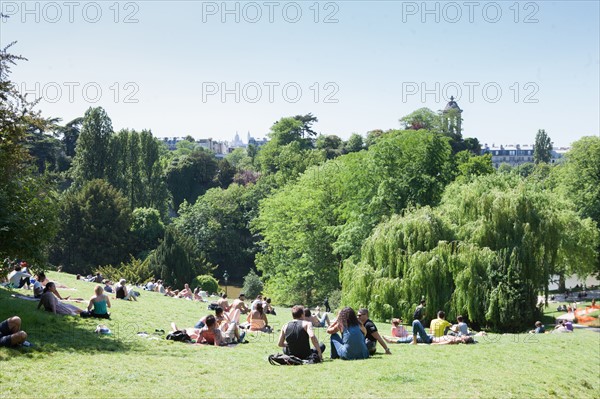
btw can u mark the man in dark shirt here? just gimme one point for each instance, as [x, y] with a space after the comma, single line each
[372, 335]
[296, 336]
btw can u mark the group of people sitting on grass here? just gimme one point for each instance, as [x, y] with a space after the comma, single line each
[224, 327]
[563, 326]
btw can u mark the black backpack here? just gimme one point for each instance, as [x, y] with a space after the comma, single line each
[180, 336]
[285, 360]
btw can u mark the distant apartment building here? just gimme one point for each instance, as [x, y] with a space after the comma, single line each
[218, 147]
[517, 154]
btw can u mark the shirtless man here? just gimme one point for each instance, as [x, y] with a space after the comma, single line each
[223, 303]
[239, 305]
[209, 334]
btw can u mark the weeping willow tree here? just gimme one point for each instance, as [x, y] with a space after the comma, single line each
[486, 253]
[403, 260]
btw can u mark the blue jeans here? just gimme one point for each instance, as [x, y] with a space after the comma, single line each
[419, 332]
[322, 320]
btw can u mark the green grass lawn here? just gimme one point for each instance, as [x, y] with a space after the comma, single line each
[69, 360]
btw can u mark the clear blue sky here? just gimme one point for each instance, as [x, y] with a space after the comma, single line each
[369, 65]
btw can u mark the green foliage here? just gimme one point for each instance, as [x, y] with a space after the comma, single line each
[190, 176]
[580, 176]
[92, 153]
[423, 118]
[485, 252]
[332, 145]
[146, 229]
[285, 163]
[206, 283]
[354, 144]
[311, 226]
[252, 285]
[542, 151]
[469, 165]
[218, 224]
[94, 228]
[176, 260]
[135, 271]
[28, 220]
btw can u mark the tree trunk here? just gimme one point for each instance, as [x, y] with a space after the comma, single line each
[562, 283]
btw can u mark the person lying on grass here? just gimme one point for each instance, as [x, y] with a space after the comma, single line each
[52, 304]
[210, 334]
[99, 303]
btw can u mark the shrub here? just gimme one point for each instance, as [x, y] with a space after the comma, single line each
[252, 285]
[206, 283]
[136, 271]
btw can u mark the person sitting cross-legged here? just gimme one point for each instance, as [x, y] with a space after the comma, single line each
[99, 303]
[296, 336]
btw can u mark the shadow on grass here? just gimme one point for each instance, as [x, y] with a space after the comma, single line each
[53, 333]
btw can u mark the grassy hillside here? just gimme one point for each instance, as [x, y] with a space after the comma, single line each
[69, 360]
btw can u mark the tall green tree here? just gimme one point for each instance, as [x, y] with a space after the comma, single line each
[354, 144]
[28, 220]
[94, 231]
[218, 223]
[579, 180]
[542, 151]
[92, 153]
[311, 225]
[176, 260]
[147, 229]
[190, 176]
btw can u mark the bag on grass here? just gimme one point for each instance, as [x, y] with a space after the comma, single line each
[285, 360]
[213, 306]
[180, 336]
